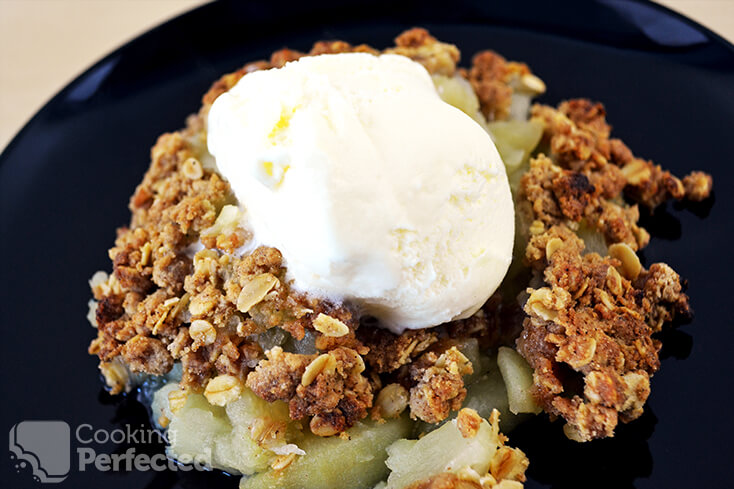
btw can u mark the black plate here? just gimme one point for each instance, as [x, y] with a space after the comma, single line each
[668, 85]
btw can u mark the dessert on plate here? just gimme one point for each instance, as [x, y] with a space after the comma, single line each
[353, 267]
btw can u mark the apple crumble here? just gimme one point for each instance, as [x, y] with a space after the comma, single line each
[282, 381]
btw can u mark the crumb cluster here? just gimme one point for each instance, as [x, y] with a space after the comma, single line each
[589, 330]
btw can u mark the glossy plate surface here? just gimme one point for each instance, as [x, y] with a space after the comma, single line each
[65, 180]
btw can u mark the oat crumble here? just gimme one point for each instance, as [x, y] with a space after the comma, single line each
[586, 327]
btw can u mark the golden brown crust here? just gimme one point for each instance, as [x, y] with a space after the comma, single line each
[142, 353]
[589, 332]
[329, 387]
[698, 185]
[439, 384]
[486, 76]
[495, 80]
[558, 195]
[663, 299]
[588, 335]
[388, 351]
[578, 138]
[417, 44]
[587, 115]
[468, 422]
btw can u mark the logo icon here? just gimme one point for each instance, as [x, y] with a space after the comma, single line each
[45, 446]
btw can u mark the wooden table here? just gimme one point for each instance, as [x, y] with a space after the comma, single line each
[44, 44]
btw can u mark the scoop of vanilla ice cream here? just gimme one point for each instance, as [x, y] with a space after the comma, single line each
[375, 190]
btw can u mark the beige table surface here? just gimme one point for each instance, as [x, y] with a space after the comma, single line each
[44, 44]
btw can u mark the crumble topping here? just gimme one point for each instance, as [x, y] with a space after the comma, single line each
[495, 80]
[557, 195]
[698, 185]
[389, 351]
[330, 387]
[439, 385]
[587, 331]
[578, 138]
[417, 44]
[588, 335]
